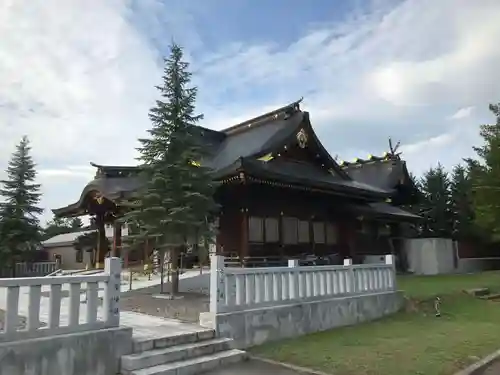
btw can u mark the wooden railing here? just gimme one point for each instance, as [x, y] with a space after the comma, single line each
[30, 269]
[234, 289]
[38, 307]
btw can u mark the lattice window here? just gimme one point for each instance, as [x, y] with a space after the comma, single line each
[331, 234]
[272, 229]
[319, 232]
[290, 230]
[304, 231]
[255, 229]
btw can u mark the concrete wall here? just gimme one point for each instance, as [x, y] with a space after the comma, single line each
[430, 256]
[372, 259]
[433, 256]
[87, 353]
[195, 284]
[471, 265]
[257, 326]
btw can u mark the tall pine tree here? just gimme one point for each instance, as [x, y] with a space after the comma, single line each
[461, 202]
[486, 177]
[435, 187]
[20, 232]
[176, 202]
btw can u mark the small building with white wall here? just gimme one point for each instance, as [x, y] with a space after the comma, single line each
[434, 256]
[63, 245]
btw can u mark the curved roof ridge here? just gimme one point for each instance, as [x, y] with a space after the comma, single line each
[264, 118]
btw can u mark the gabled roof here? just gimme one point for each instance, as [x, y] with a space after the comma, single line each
[112, 188]
[386, 172]
[257, 136]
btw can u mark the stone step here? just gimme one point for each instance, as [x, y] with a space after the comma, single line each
[477, 292]
[196, 365]
[144, 344]
[173, 354]
[492, 297]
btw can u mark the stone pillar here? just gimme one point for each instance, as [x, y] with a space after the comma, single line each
[111, 300]
[352, 278]
[217, 287]
[391, 261]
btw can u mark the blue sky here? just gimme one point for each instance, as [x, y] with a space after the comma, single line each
[78, 76]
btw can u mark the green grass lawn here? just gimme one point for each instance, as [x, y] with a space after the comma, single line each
[410, 342]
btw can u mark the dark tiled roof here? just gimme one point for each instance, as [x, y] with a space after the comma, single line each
[382, 173]
[382, 209]
[111, 188]
[254, 140]
[307, 175]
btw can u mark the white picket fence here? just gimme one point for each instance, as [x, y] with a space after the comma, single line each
[234, 289]
[76, 313]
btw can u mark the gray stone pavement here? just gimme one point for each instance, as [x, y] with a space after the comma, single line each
[253, 367]
[492, 369]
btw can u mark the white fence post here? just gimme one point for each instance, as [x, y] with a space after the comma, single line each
[352, 276]
[293, 279]
[113, 268]
[217, 287]
[390, 260]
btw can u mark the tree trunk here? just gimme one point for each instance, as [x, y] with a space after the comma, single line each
[175, 270]
[162, 269]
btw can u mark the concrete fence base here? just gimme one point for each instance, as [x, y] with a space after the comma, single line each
[87, 353]
[260, 325]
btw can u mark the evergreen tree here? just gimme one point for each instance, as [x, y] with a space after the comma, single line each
[435, 186]
[176, 202]
[55, 227]
[59, 225]
[20, 232]
[486, 177]
[76, 223]
[461, 198]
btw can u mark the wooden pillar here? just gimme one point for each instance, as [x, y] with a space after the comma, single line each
[347, 232]
[117, 239]
[351, 239]
[101, 242]
[244, 234]
[243, 253]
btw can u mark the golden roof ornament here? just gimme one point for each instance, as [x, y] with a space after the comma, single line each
[302, 138]
[99, 199]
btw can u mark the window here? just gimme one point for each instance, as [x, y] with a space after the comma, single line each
[255, 229]
[319, 232]
[384, 230]
[331, 234]
[361, 226]
[303, 231]
[290, 230]
[272, 229]
[79, 256]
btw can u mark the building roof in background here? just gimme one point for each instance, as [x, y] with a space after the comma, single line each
[67, 239]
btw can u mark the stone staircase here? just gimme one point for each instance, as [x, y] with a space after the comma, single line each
[187, 354]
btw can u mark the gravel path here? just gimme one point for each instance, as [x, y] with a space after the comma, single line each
[21, 323]
[186, 307]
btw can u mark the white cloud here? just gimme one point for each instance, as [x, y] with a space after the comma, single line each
[462, 113]
[78, 77]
